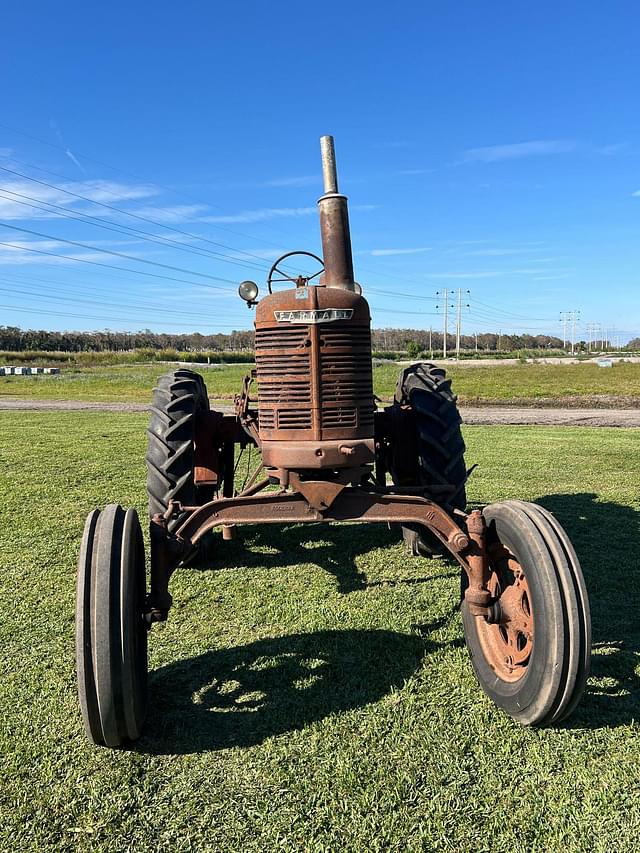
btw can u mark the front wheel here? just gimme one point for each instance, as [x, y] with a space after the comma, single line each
[533, 661]
[111, 634]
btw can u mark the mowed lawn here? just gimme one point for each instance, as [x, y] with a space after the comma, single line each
[311, 689]
[565, 384]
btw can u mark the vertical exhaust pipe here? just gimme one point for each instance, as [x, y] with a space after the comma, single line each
[334, 224]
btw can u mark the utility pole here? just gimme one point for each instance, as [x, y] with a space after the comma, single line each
[563, 320]
[592, 329]
[430, 343]
[459, 321]
[573, 331]
[476, 334]
[598, 330]
[567, 317]
[445, 312]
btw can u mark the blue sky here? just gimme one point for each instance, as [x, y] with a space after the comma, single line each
[491, 147]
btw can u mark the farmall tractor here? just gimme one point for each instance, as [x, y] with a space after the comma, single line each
[328, 454]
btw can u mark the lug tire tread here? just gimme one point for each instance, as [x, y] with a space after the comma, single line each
[177, 399]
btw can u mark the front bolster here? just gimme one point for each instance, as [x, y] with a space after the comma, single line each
[303, 455]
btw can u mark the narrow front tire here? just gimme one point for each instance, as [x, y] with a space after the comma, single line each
[534, 661]
[111, 634]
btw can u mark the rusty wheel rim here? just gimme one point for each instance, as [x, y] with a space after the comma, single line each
[507, 645]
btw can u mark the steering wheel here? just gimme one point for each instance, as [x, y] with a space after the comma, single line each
[300, 280]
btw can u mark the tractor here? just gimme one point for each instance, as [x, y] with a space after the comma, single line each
[328, 453]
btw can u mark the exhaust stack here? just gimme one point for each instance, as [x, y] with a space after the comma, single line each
[334, 224]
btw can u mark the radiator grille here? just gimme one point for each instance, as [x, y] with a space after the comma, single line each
[284, 364]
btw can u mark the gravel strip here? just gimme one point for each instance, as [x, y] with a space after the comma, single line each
[470, 415]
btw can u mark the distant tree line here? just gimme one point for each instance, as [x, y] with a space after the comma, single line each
[424, 340]
[413, 341]
[18, 340]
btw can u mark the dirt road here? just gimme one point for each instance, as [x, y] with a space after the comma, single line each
[470, 415]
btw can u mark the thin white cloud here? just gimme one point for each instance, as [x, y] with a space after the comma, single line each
[262, 215]
[172, 214]
[112, 191]
[267, 213]
[17, 197]
[518, 150]
[379, 253]
[636, 193]
[18, 252]
[108, 192]
[6, 153]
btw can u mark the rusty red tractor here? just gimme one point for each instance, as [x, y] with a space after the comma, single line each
[328, 453]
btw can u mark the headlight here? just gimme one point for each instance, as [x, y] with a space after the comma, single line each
[248, 291]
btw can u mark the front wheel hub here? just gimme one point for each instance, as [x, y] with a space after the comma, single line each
[506, 636]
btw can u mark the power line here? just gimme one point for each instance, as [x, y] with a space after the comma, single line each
[129, 213]
[503, 312]
[115, 254]
[75, 298]
[101, 319]
[146, 236]
[178, 193]
[396, 277]
[112, 266]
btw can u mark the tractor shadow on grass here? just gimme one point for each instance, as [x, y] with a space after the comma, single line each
[333, 548]
[238, 697]
[606, 537]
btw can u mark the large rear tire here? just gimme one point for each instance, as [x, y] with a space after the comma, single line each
[534, 662]
[178, 399]
[111, 634]
[424, 389]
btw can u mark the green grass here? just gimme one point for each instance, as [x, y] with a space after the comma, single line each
[531, 383]
[117, 383]
[311, 689]
[577, 384]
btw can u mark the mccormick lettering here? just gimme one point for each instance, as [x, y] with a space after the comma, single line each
[323, 315]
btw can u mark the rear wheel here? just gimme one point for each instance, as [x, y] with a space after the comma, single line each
[111, 634]
[534, 661]
[434, 454]
[178, 399]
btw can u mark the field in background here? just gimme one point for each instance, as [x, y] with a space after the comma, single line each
[524, 384]
[311, 689]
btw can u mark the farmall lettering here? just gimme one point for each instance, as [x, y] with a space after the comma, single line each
[325, 315]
